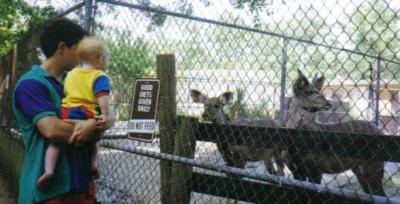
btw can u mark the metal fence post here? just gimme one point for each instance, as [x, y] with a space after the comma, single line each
[88, 15]
[283, 83]
[378, 89]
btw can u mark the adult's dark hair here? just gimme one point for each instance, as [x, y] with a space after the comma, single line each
[60, 30]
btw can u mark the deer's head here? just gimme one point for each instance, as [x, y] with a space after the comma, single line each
[308, 95]
[213, 107]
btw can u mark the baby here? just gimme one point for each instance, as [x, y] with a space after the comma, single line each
[86, 90]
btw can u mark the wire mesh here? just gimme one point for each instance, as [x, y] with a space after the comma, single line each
[267, 118]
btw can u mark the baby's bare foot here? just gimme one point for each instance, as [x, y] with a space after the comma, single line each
[43, 179]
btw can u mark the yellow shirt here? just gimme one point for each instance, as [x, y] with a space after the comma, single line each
[79, 89]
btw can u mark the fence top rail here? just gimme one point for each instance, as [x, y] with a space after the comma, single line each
[380, 147]
[245, 28]
[73, 8]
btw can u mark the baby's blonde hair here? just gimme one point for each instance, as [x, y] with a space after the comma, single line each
[92, 48]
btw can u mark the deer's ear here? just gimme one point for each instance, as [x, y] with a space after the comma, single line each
[197, 96]
[300, 74]
[318, 83]
[300, 84]
[226, 97]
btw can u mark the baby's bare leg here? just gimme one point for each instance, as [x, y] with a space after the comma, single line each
[50, 162]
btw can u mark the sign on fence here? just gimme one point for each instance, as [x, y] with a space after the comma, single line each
[142, 122]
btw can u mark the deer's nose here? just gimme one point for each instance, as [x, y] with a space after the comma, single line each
[204, 115]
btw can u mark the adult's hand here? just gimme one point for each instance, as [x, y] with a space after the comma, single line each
[83, 131]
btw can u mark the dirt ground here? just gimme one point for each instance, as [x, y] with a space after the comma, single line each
[5, 195]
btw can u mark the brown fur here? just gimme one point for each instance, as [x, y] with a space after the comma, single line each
[233, 154]
[301, 114]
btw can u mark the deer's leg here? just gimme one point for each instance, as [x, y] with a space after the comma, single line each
[231, 155]
[305, 166]
[271, 156]
[300, 173]
[314, 174]
[370, 176]
[239, 157]
[297, 167]
[269, 165]
[226, 153]
[266, 155]
[280, 162]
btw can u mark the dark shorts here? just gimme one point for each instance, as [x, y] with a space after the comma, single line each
[74, 197]
[79, 159]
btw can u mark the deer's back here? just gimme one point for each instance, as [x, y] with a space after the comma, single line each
[356, 126]
[265, 122]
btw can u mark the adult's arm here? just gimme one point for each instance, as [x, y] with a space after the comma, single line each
[55, 129]
[73, 131]
[34, 101]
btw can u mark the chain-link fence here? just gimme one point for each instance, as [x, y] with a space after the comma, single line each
[294, 101]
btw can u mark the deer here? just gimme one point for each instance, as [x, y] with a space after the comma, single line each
[234, 154]
[301, 114]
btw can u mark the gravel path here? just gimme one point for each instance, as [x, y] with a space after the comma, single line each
[5, 195]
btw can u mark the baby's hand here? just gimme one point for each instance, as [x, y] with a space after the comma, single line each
[100, 120]
[104, 121]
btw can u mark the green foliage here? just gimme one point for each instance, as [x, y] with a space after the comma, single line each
[16, 18]
[374, 28]
[228, 48]
[158, 19]
[374, 31]
[260, 111]
[187, 7]
[256, 7]
[129, 61]
[238, 108]
[123, 112]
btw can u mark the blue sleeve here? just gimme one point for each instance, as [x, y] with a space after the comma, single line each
[33, 100]
[102, 86]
